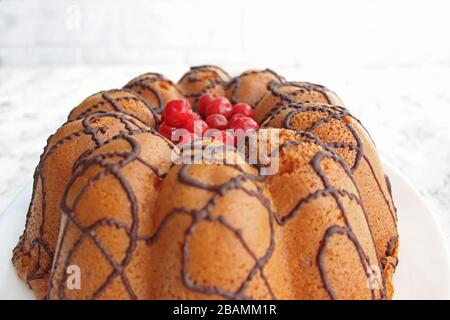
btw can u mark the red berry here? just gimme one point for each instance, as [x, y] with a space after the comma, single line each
[196, 126]
[165, 130]
[217, 121]
[177, 112]
[244, 123]
[196, 116]
[243, 108]
[219, 105]
[204, 100]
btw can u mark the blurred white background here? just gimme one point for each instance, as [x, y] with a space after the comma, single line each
[324, 34]
[388, 60]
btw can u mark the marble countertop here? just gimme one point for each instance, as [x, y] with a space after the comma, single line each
[406, 109]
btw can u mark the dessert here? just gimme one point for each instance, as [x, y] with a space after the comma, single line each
[34, 253]
[123, 101]
[155, 88]
[251, 85]
[338, 129]
[115, 198]
[203, 79]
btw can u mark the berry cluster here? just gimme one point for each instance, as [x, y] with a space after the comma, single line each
[216, 118]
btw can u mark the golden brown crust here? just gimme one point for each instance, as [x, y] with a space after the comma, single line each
[124, 101]
[314, 192]
[140, 226]
[109, 203]
[250, 86]
[34, 253]
[292, 91]
[203, 79]
[146, 241]
[156, 89]
[339, 130]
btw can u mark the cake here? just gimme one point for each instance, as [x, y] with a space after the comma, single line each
[114, 198]
[124, 101]
[34, 254]
[203, 79]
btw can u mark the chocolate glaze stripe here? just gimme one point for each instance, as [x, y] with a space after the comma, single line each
[392, 208]
[236, 82]
[34, 274]
[215, 188]
[392, 244]
[114, 170]
[389, 186]
[258, 267]
[88, 130]
[206, 214]
[214, 290]
[316, 166]
[211, 83]
[211, 66]
[350, 175]
[365, 261]
[339, 116]
[329, 233]
[193, 71]
[115, 103]
[145, 82]
[87, 153]
[306, 106]
[304, 87]
[133, 233]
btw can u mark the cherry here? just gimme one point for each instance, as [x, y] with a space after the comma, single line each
[204, 100]
[244, 109]
[217, 121]
[196, 126]
[244, 123]
[219, 105]
[177, 112]
[219, 114]
[165, 130]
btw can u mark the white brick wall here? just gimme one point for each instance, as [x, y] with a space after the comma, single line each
[320, 33]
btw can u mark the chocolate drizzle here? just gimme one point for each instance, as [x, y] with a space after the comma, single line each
[301, 88]
[115, 98]
[146, 83]
[391, 246]
[113, 169]
[96, 157]
[25, 246]
[341, 115]
[202, 214]
[235, 83]
[210, 84]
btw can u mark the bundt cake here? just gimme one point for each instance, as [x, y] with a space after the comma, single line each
[34, 254]
[120, 199]
[123, 101]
